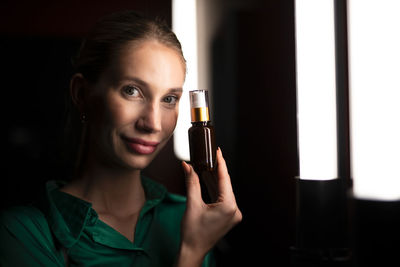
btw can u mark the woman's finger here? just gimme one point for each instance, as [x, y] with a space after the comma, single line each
[224, 180]
[192, 183]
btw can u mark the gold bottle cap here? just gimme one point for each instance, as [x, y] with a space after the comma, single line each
[199, 105]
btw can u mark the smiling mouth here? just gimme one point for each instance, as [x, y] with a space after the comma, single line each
[141, 146]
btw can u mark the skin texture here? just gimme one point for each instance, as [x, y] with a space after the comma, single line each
[132, 112]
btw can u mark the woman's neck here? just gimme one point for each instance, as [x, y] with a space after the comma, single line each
[112, 191]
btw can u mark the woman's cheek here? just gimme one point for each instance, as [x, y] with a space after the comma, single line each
[170, 121]
[120, 113]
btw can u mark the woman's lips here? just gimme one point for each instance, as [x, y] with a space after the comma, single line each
[141, 146]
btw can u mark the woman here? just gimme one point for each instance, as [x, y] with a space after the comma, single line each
[128, 82]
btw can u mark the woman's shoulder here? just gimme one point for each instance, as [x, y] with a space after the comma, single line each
[23, 222]
[172, 208]
[20, 214]
[26, 239]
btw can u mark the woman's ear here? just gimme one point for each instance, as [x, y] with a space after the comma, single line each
[77, 88]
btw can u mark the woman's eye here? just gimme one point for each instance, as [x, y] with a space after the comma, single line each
[171, 99]
[131, 91]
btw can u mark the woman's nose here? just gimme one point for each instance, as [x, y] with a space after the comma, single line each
[150, 120]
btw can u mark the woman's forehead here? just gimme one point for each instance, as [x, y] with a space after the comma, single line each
[148, 58]
[150, 62]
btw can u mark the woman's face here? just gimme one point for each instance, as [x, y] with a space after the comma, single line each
[133, 108]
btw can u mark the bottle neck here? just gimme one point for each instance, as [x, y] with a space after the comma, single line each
[201, 123]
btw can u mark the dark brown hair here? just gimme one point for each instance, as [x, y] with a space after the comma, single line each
[114, 31]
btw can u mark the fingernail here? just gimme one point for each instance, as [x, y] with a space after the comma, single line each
[186, 168]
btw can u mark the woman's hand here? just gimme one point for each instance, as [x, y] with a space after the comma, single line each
[204, 224]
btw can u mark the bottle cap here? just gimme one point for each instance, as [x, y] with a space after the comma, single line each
[199, 105]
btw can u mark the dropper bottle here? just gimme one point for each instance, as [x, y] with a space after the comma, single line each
[202, 144]
[201, 134]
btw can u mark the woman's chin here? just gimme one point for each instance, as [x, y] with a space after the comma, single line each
[139, 162]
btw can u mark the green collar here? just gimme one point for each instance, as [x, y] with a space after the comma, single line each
[68, 216]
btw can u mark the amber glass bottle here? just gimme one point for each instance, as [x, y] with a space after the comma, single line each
[202, 142]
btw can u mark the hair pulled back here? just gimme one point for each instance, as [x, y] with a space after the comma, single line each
[111, 33]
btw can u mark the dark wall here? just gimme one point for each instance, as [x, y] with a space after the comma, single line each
[255, 117]
[35, 75]
[68, 18]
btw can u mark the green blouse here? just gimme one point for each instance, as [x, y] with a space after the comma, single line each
[66, 229]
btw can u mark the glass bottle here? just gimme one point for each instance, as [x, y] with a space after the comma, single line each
[202, 143]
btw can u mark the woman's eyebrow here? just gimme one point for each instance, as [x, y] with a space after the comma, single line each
[176, 90]
[137, 80]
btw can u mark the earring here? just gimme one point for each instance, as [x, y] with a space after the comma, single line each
[83, 118]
